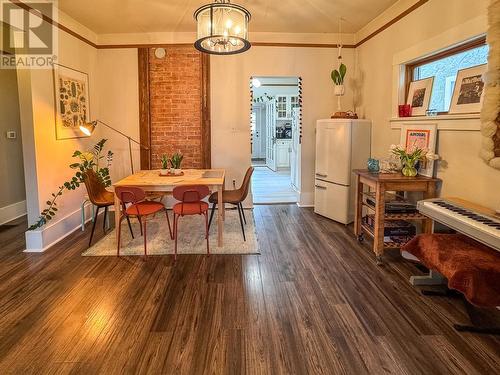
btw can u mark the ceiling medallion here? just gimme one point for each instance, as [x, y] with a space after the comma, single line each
[222, 28]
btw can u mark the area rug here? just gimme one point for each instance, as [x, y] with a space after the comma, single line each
[191, 238]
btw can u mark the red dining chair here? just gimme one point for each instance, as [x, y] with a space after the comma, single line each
[140, 208]
[190, 197]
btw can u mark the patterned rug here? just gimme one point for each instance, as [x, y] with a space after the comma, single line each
[191, 237]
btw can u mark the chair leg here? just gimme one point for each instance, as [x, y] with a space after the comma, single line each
[243, 213]
[140, 224]
[212, 214]
[206, 233]
[145, 237]
[119, 236]
[104, 219]
[128, 221]
[176, 224]
[168, 222]
[93, 225]
[241, 222]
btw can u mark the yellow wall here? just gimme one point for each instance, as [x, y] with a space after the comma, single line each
[463, 173]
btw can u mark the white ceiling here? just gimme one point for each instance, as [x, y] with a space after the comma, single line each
[287, 16]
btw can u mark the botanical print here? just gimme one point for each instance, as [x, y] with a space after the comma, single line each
[471, 90]
[72, 102]
[418, 98]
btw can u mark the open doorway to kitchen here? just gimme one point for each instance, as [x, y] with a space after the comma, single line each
[275, 139]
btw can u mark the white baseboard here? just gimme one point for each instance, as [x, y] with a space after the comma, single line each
[305, 205]
[39, 240]
[12, 212]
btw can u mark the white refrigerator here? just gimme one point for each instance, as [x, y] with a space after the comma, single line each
[341, 146]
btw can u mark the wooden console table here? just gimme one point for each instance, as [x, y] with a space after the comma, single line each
[380, 183]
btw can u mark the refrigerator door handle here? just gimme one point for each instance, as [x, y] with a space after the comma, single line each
[320, 187]
[321, 175]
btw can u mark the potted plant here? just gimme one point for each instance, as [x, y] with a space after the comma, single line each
[410, 159]
[176, 161]
[164, 165]
[338, 79]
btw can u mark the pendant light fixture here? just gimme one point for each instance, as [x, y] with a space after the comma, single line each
[222, 28]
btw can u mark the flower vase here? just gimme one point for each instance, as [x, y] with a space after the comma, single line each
[409, 169]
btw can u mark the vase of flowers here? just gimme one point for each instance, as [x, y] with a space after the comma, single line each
[410, 158]
[176, 161]
[164, 165]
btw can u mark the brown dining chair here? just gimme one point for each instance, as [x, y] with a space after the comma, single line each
[235, 197]
[99, 197]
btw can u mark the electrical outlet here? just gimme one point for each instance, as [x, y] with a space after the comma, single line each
[11, 134]
[234, 183]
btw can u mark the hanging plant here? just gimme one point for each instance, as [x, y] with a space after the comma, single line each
[338, 75]
[263, 98]
[92, 159]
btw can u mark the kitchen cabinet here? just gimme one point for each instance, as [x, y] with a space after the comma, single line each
[283, 150]
[285, 105]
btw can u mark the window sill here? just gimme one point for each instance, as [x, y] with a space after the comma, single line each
[457, 122]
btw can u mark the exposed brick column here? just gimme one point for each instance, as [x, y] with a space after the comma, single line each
[176, 105]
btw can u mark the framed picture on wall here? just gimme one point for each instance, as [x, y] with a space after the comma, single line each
[469, 90]
[423, 137]
[419, 95]
[71, 101]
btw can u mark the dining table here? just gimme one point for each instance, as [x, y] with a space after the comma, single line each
[152, 181]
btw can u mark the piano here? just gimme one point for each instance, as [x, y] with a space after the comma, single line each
[479, 223]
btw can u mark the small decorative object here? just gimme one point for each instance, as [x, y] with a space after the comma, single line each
[164, 165]
[411, 157]
[422, 137]
[404, 110]
[71, 98]
[87, 160]
[222, 28]
[490, 111]
[373, 165]
[468, 92]
[431, 112]
[176, 161]
[419, 96]
[390, 164]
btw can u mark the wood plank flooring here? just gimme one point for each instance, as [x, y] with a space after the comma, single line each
[270, 187]
[314, 302]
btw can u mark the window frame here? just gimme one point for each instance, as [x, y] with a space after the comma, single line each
[410, 67]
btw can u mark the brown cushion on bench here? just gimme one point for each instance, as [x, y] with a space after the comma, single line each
[470, 267]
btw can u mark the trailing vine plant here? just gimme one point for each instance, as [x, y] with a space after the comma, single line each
[92, 159]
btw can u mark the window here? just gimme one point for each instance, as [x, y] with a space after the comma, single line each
[444, 67]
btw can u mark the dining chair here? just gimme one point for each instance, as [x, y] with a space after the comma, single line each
[235, 197]
[190, 197]
[100, 198]
[140, 208]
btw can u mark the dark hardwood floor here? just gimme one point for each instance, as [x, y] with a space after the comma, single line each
[313, 302]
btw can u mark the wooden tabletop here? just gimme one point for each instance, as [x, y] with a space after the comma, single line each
[391, 177]
[150, 178]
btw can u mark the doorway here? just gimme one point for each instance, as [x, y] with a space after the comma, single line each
[12, 186]
[275, 141]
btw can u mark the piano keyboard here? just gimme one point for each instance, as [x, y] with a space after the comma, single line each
[481, 227]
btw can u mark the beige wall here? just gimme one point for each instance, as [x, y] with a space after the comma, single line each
[463, 173]
[11, 152]
[230, 100]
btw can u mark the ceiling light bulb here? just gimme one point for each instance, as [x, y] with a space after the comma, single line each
[237, 29]
[256, 82]
[229, 24]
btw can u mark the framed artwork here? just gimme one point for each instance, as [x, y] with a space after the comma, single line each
[419, 96]
[422, 136]
[469, 89]
[71, 101]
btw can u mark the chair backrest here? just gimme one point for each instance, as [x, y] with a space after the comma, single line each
[95, 188]
[130, 194]
[245, 185]
[190, 193]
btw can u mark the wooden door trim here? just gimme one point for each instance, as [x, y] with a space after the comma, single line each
[144, 107]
